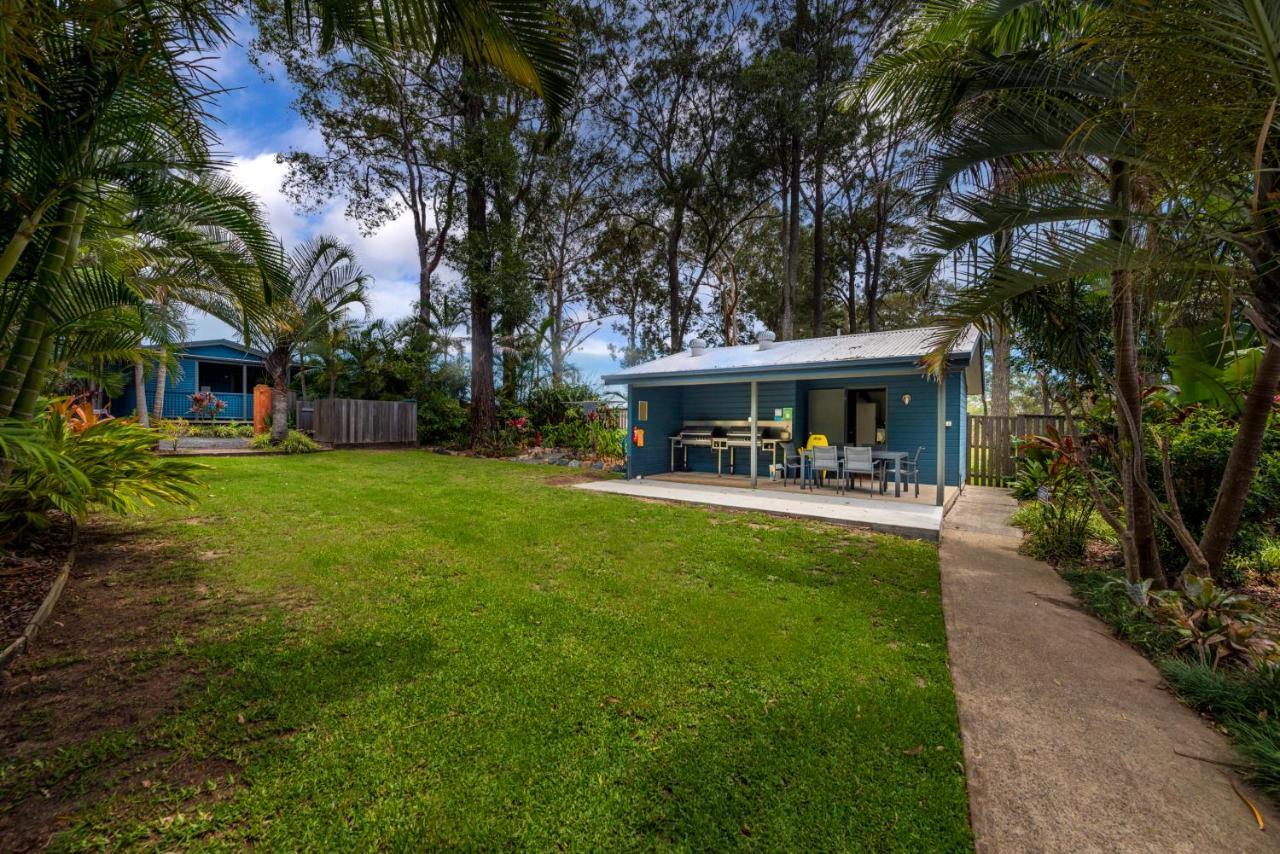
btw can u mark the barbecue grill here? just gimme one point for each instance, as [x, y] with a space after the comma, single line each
[767, 440]
[693, 436]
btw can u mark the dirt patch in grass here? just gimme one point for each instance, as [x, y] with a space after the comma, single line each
[106, 666]
[27, 573]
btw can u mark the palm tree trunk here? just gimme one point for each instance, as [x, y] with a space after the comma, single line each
[29, 357]
[1237, 478]
[140, 393]
[1140, 522]
[279, 406]
[162, 379]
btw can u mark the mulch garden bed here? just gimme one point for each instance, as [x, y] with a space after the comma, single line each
[27, 573]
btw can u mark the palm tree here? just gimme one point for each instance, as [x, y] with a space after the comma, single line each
[1117, 175]
[323, 281]
[105, 102]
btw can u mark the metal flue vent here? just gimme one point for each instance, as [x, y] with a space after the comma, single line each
[697, 347]
[765, 339]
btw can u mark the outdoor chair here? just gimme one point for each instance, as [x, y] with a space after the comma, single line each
[791, 461]
[911, 468]
[858, 461]
[826, 459]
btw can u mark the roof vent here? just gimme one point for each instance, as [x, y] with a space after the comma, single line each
[697, 347]
[765, 339]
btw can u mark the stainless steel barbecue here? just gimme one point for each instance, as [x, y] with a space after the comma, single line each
[693, 436]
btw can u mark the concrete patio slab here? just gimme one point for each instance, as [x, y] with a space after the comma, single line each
[1071, 743]
[906, 519]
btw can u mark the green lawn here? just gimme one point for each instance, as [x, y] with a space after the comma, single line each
[431, 651]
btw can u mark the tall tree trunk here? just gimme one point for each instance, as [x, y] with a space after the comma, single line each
[23, 376]
[792, 272]
[1000, 380]
[819, 241]
[1139, 517]
[484, 407]
[1237, 477]
[555, 314]
[674, 302]
[162, 377]
[1045, 403]
[871, 289]
[140, 393]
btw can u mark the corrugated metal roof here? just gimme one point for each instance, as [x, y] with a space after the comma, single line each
[896, 346]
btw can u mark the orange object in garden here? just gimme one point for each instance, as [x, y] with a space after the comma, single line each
[261, 407]
[637, 437]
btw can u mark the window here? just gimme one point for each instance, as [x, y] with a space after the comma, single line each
[219, 377]
[642, 410]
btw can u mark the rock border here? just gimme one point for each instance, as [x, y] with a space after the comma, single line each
[42, 613]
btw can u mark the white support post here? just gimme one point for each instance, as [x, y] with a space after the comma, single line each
[942, 438]
[755, 431]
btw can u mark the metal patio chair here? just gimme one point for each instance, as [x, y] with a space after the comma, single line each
[826, 459]
[858, 461]
[911, 468]
[791, 461]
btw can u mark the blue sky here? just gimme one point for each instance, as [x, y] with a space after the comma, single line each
[257, 123]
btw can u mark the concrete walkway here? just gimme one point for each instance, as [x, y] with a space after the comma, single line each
[1070, 742]
[883, 513]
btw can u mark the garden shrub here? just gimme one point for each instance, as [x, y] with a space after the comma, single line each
[294, 442]
[297, 442]
[550, 405]
[1199, 446]
[67, 460]
[174, 430]
[442, 419]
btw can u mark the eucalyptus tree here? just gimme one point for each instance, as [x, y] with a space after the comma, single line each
[671, 106]
[323, 281]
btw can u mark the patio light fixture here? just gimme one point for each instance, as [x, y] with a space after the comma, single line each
[906, 400]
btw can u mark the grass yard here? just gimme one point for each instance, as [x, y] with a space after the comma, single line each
[401, 650]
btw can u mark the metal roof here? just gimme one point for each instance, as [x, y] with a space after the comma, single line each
[903, 347]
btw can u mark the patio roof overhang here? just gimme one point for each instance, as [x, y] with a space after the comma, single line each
[826, 370]
[894, 353]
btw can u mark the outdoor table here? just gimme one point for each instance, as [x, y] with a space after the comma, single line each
[896, 456]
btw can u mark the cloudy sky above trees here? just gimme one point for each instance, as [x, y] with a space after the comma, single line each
[258, 123]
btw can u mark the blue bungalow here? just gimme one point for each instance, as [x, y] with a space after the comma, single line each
[865, 389]
[227, 369]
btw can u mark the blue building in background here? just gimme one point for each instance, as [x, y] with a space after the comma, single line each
[865, 389]
[227, 369]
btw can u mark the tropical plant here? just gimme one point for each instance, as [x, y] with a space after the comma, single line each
[323, 281]
[62, 462]
[174, 430]
[1103, 171]
[294, 442]
[1217, 624]
[206, 406]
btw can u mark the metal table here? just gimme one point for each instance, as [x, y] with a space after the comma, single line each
[897, 457]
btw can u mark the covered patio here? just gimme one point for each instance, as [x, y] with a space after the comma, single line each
[719, 418]
[906, 516]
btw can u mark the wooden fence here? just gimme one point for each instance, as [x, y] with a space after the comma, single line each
[991, 455]
[365, 422]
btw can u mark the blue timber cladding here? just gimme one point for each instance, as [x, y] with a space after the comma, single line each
[665, 418]
[908, 426]
[181, 382]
